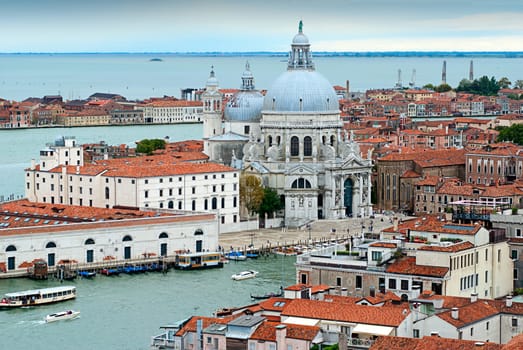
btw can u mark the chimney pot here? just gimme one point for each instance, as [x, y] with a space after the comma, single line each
[455, 313]
[509, 301]
[473, 297]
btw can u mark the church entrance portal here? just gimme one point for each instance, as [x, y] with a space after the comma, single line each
[347, 198]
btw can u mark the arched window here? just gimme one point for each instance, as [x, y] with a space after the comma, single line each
[301, 183]
[278, 140]
[206, 204]
[127, 238]
[89, 241]
[333, 140]
[10, 248]
[269, 139]
[107, 193]
[307, 146]
[193, 205]
[214, 202]
[163, 235]
[50, 245]
[198, 232]
[295, 146]
[223, 203]
[170, 205]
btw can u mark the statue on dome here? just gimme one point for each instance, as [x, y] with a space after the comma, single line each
[300, 26]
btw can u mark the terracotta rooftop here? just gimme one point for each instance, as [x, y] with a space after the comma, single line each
[429, 343]
[325, 310]
[470, 313]
[190, 326]
[267, 331]
[433, 224]
[408, 266]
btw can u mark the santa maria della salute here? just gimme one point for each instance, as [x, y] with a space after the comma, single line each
[293, 139]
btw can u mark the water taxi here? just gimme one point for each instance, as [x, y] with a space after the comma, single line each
[37, 297]
[235, 255]
[199, 260]
[63, 315]
[244, 275]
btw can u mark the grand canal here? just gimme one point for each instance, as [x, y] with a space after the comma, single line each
[123, 312]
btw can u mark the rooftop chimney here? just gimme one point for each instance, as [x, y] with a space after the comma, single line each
[455, 313]
[416, 290]
[509, 301]
[372, 291]
[395, 223]
[473, 297]
[434, 334]
[344, 292]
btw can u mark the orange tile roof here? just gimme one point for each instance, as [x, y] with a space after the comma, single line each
[384, 245]
[429, 343]
[429, 180]
[325, 310]
[433, 224]
[190, 326]
[267, 331]
[470, 313]
[410, 174]
[408, 266]
[147, 166]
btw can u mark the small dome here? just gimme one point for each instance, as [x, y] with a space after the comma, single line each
[301, 91]
[300, 39]
[212, 81]
[244, 106]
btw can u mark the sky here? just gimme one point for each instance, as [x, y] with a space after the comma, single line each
[261, 25]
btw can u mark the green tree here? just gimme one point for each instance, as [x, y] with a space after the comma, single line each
[512, 133]
[429, 86]
[518, 84]
[443, 88]
[504, 83]
[251, 192]
[271, 202]
[148, 146]
[483, 86]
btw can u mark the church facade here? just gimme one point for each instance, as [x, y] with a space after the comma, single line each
[299, 147]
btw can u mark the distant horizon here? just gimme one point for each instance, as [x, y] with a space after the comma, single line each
[279, 53]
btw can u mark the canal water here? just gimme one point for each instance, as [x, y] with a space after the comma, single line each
[123, 312]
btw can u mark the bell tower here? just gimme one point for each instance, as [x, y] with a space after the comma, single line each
[212, 110]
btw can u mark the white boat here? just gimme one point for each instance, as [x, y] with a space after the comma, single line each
[244, 275]
[38, 297]
[235, 255]
[63, 315]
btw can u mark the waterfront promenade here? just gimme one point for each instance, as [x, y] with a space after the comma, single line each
[319, 230]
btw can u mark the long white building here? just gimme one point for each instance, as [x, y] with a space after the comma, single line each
[60, 233]
[167, 181]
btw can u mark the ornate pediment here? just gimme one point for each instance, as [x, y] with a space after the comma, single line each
[354, 162]
[301, 169]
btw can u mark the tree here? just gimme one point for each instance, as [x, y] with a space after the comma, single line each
[482, 86]
[513, 133]
[251, 192]
[443, 88]
[429, 86]
[271, 202]
[518, 84]
[504, 83]
[148, 146]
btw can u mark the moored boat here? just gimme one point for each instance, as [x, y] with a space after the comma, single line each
[199, 260]
[86, 274]
[244, 275]
[63, 315]
[38, 297]
[268, 295]
[235, 255]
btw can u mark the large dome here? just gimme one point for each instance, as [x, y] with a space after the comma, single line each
[301, 91]
[244, 106]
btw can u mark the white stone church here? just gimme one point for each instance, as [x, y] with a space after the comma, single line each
[294, 140]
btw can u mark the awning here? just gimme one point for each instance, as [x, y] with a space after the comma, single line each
[301, 321]
[372, 329]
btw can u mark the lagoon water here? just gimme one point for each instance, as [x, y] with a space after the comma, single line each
[136, 77]
[123, 312]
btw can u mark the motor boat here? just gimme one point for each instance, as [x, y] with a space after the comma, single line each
[63, 315]
[244, 275]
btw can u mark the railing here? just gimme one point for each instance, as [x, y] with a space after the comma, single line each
[161, 342]
[359, 343]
